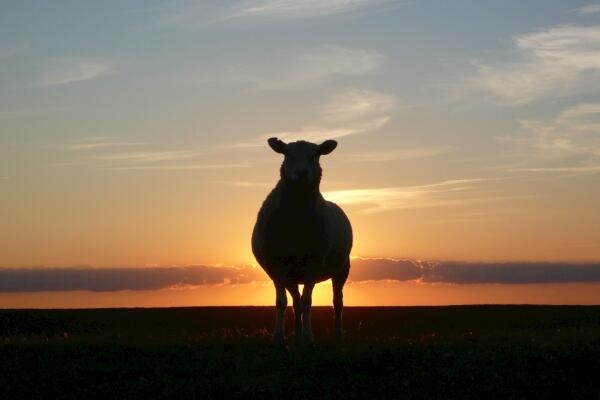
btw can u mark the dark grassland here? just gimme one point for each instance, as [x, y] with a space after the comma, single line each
[463, 352]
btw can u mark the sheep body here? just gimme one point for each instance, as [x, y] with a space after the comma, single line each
[299, 243]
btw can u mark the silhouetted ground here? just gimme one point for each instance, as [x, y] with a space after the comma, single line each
[470, 352]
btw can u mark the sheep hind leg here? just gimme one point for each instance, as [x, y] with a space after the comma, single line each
[338, 305]
[306, 306]
[293, 289]
[281, 304]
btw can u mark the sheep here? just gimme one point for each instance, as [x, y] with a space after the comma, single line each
[300, 238]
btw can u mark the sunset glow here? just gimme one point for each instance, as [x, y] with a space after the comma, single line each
[134, 137]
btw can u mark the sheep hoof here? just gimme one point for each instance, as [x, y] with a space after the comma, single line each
[278, 340]
[308, 339]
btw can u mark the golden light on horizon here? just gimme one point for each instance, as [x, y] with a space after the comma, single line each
[356, 294]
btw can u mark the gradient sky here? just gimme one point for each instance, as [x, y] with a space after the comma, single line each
[134, 134]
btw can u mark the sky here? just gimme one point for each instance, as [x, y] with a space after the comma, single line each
[133, 155]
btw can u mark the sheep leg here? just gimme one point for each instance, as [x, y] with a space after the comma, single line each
[338, 306]
[293, 289]
[306, 305]
[281, 304]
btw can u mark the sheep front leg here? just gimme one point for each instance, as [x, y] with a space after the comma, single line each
[293, 289]
[306, 305]
[281, 304]
[338, 306]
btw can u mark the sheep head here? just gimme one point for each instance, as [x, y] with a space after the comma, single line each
[301, 168]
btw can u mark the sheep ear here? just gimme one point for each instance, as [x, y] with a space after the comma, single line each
[327, 147]
[277, 145]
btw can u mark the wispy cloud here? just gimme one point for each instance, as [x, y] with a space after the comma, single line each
[105, 152]
[442, 194]
[319, 64]
[567, 143]
[316, 134]
[9, 50]
[402, 154]
[116, 155]
[553, 62]
[324, 62]
[372, 111]
[194, 15]
[71, 70]
[292, 9]
[588, 10]
[353, 104]
[245, 184]
[101, 142]
[31, 112]
[577, 170]
[183, 167]
[146, 156]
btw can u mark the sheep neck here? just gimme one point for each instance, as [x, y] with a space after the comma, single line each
[305, 198]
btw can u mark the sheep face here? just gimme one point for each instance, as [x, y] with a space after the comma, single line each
[301, 168]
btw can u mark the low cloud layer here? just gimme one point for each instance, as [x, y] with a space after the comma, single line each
[512, 272]
[14, 280]
[378, 269]
[41, 279]
[458, 272]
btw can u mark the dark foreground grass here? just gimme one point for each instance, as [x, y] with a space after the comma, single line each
[471, 352]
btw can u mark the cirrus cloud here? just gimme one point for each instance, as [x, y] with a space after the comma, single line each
[566, 143]
[354, 103]
[589, 9]
[195, 15]
[321, 63]
[292, 9]
[552, 62]
[348, 113]
[70, 70]
[455, 192]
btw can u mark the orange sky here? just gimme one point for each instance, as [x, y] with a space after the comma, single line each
[146, 144]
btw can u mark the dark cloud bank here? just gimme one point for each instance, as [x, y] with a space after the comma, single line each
[13, 280]
[127, 278]
[475, 272]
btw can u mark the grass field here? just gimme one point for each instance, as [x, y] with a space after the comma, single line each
[463, 352]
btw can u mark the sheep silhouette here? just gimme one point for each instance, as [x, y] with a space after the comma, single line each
[300, 238]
